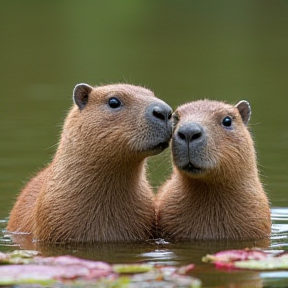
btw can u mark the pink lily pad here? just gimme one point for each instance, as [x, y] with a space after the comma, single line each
[71, 260]
[55, 268]
[248, 259]
[52, 270]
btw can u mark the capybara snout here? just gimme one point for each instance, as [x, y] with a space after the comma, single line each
[189, 142]
[159, 112]
[158, 115]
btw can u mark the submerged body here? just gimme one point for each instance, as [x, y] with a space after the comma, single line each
[95, 189]
[214, 191]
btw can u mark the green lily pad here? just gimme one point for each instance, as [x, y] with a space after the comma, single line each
[270, 263]
[132, 268]
[18, 257]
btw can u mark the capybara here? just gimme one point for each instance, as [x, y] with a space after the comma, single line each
[214, 191]
[95, 189]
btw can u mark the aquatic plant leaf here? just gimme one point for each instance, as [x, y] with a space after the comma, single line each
[27, 274]
[234, 255]
[48, 272]
[50, 269]
[164, 276]
[132, 268]
[24, 253]
[248, 259]
[186, 269]
[18, 257]
[71, 260]
[78, 272]
[3, 258]
[270, 263]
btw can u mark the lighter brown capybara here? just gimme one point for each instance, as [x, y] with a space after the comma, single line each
[95, 189]
[214, 191]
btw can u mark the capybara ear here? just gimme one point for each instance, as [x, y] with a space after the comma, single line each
[81, 94]
[245, 111]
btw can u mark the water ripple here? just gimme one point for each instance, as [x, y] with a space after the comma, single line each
[5, 241]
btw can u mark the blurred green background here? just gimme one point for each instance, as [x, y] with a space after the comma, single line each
[182, 50]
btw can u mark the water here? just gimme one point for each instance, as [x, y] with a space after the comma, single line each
[161, 252]
[225, 50]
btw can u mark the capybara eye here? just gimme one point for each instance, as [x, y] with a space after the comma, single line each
[114, 102]
[227, 121]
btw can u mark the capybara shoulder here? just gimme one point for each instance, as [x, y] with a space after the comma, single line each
[214, 191]
[95, 189]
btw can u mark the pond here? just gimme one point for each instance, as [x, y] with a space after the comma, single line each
[224, 50]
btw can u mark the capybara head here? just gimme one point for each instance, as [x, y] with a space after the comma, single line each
[120, 118]
[211, 138]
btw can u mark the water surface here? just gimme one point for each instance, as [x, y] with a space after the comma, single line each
[164, 253]
[182, 50]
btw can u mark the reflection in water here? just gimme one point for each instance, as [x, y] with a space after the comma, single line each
[280, 214]
[164, 253]
[160, 256]
[279, 237]
[5, 240]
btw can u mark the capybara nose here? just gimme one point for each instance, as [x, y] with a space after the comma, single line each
[161, 111]
[190, 132]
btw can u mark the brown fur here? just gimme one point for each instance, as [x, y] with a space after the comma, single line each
[227, 201]
[95, 188]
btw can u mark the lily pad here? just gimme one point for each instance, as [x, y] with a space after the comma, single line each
[75, 272]
[132, 268]
[234, 255]
[52, 269]
[248, 259]
[270, 263]
[18, 257]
